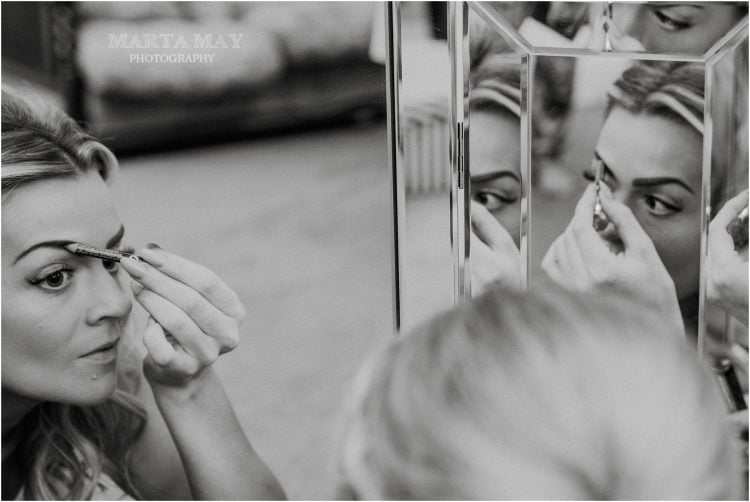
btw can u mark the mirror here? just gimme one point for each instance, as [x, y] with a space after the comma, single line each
[424, 104]
[585, 108]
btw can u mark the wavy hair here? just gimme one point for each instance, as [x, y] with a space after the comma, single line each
[542, 396]
[64, 448]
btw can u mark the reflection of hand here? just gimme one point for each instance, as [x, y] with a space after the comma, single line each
[494, 256]
[194, 316]
[619, 40]
[582, 260]
[727, 267]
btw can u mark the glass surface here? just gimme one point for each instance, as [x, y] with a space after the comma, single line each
[494, 149]
[686, 29]
[424, 101]
[567, 105]
[725, 327]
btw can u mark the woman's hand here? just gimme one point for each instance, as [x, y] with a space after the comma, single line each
[727, 283]
[194, 316]
[583, 260]
[494, 255]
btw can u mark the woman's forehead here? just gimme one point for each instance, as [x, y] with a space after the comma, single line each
[76, 208]
[642, 145]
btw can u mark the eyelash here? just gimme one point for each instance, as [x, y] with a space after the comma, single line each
[505, 200]
[648, 198]
[111, 266]
[670, 24]
[115, 266]
[48, 273]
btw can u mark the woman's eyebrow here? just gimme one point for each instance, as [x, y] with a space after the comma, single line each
[62, 243]
[650, 182]
[483, 178]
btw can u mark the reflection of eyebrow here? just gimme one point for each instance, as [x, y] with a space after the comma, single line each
[649, 182]
[483, 178]
[59, 244]
[667, 5]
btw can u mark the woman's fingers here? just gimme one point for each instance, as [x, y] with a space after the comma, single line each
[209, 319]
[551, 266]
[490, 231]
[579, 272]
[176, 322]
[730, 210]
[196, 277]
[159, 348]
[621, 41]
[628, 229]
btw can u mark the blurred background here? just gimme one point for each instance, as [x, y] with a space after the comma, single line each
[268, 165]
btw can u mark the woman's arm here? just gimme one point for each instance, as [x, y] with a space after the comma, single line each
[194, 318]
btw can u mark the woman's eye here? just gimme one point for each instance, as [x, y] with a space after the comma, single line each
[492, 201]
[670, 23]
[659, 207]
[588, 175]
[114, 266]
[55, 279]
[111, 266]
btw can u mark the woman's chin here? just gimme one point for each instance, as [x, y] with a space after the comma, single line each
[95, 389]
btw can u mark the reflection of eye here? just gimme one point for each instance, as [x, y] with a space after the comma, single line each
[659, 207]
[670, 23]
[492, 201]
[54, 278]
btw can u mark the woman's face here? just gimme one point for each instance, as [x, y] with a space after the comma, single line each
[495, 160]
[653, 165]
[683, 27]
[63, 314]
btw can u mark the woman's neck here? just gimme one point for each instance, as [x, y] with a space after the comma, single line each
[15, 407]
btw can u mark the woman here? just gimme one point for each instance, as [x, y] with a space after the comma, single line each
[548, 396]
[651, 148]
[77, 421]
[495, 164]
[667, 27]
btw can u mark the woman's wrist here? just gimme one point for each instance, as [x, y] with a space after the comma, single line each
[180, 390]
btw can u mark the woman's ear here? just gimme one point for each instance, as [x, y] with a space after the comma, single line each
[105, 162]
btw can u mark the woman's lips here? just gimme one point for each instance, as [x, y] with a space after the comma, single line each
[104, 353]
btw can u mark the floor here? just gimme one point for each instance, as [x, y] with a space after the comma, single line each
[299, 226]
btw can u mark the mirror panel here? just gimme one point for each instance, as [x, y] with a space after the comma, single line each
[424, 101]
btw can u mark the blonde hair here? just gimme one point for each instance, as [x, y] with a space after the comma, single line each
[545, 396]
[65, 448]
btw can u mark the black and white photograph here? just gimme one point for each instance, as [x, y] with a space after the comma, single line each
[356, 250]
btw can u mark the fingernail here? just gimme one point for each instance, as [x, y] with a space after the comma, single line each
[154, 256]
[137, 287]
[134, 268]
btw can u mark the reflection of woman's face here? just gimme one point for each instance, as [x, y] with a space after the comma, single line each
[683, 27]
[653, 165]
[63, 314]
[495, 160]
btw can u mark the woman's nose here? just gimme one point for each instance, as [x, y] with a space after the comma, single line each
[110, 300]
